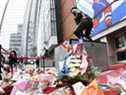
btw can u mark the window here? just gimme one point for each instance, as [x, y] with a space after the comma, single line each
[53, 28]
[120, 44]
[53, 18]
[121, 56]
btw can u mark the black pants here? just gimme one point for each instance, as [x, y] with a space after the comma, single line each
[85, 24]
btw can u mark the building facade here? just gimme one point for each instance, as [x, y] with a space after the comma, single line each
[115, 34]
[30, 28]
[47, 32]
[40, 28]
[41, 31]
[116, 41]
[16, 41]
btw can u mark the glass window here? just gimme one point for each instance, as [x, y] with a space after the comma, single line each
[120, 42]
[121, 56]
[53, 18]
[53, 28]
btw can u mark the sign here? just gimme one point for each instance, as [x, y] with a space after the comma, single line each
[78, 88]
[105, 13]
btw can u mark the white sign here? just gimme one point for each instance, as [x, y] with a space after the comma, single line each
[78, 88]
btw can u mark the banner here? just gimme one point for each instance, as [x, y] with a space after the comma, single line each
[104, 12]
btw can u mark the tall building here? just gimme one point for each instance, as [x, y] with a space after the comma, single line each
[47, 31]
[16, 40]
[50, 30]
[40, 28]
[30, 28]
